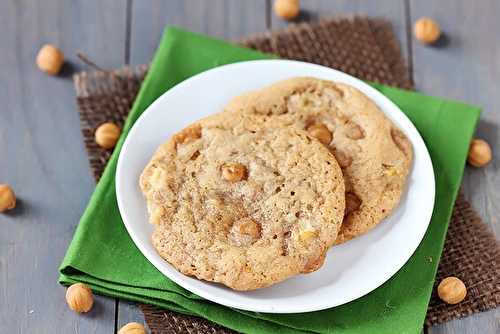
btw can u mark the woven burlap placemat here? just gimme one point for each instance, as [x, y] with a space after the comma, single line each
[364, 47]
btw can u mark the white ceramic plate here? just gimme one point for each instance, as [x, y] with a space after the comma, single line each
[352, 269]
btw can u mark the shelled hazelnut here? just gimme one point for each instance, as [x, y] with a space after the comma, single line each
[287, 9]
[479, 153]
[452, 290]
[107, 135]
[7, 198]
[320, 132]
[79, 298]
[132, 328]
[50, 59]
[427, 30]
[234, 172]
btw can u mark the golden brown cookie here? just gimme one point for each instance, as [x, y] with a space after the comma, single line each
[374, 154]
[242, 204]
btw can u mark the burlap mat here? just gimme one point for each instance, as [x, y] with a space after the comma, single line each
[363, 47]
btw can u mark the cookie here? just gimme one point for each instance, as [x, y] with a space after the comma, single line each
[374, 154]
[242, 204]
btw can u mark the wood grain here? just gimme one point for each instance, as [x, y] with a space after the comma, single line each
[465, 65]
[220, 18]
[42, 157]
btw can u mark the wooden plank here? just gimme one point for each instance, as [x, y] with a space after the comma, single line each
[43, 158]
[392, 10]
[227, 19]
[480, 323]
[129, 312]
[465, 66]
[221, 18]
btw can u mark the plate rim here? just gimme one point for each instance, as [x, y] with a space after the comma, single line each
[359, 84]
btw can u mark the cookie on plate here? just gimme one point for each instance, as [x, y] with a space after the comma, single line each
[374, 154]
[242, 204]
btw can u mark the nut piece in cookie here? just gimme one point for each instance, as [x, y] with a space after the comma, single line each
[234, 172]
[320, 132]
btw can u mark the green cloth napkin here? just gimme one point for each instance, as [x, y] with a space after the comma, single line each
[103, 255]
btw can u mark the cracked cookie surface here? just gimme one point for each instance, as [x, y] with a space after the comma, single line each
[374, 154]
[236, 202]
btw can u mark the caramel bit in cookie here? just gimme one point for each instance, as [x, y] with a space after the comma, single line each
[250, 228]
[320, 132]
[343, 159]
[308, 235]
[401, 142]
[390, 170]
[354, 131]
[188, 135]
[234, 172]
[352, 203]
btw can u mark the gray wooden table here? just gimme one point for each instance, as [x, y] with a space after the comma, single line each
[43, 158]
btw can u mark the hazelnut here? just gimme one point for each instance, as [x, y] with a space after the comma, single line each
[7, 198]
[234, 172]
[287, 9]
[452, 290]
[354, 131]
[251, 228]
[79, 298]
[107, 135]
[132, 328]
[479, 153]
[50, 59]
[399, 138]
[426, 30]
[188, 135]
[320, 132]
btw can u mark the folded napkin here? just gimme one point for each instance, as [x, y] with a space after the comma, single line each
[102, 254]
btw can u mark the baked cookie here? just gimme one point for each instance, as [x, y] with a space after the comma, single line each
[374, 154]
[242, 204]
